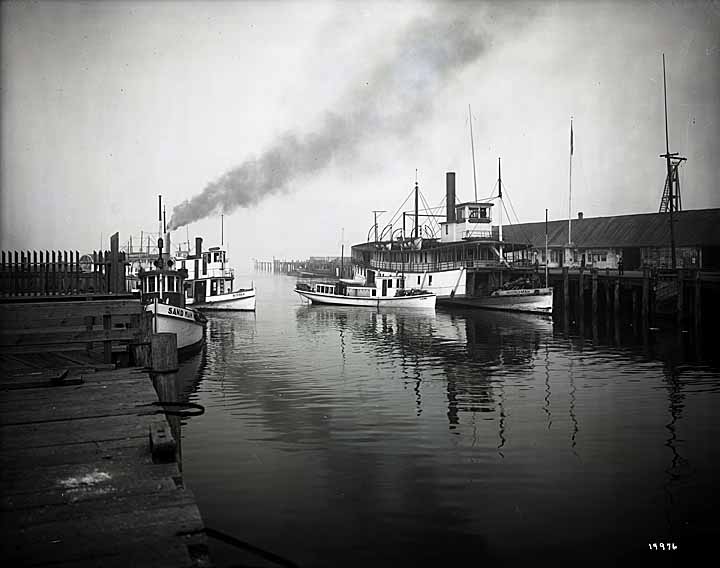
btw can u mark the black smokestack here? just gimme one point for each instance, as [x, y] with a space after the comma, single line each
[450, 196]
[393, 98]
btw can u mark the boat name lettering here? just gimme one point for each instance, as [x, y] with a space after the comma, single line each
[179, 312]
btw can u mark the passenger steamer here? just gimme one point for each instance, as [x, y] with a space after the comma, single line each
[380, 292]
[468, 264]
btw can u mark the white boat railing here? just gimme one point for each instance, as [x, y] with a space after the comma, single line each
[422, 267]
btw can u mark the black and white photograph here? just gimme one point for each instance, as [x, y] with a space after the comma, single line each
[349, 284]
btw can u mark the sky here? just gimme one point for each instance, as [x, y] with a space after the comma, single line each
[296, 119]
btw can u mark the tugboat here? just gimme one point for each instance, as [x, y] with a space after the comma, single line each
[161, 292]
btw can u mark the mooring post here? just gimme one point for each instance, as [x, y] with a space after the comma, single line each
[594, 273]
[680, 296]
[164, 357]
[140, 348]
[566, 289]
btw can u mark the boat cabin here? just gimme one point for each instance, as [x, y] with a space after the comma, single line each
[471, 220]
[165, 285]
[379, 287]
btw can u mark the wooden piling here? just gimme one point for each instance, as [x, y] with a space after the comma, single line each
[698, 299]
[645, 296]
[616, 299]
[594, 273]
[680, 296]
[164, 357]
[566, 289]
[581, 291]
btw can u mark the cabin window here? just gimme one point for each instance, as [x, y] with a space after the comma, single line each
[389, 283]
[374, 292]
[150, 282]
[483, 213]
[430, 280]
[205, 261]
[213, 288]
[217, 257]
[446, 229]
[170, 284]
[418, 279]
[188, 291]
[473, 213]
[182, 265]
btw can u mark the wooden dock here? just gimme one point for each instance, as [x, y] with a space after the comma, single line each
[85, 477]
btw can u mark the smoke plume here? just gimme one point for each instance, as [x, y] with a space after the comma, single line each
[399, 91]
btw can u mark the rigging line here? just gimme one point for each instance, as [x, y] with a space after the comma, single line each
[511, 204]
[522, 230]
[395, 215]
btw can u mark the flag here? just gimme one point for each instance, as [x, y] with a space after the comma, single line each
[571, 139]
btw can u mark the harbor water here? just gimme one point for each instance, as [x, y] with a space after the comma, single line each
[354, 437]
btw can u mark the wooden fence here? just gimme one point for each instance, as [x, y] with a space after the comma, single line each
[53, 273]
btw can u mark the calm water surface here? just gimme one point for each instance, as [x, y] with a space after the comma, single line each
[352, 437]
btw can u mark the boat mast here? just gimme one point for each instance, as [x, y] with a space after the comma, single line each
[342, 250]
[417, 191]
[570, 188]
[669, 175]
[500, 198]
[472, 147]
[547, 260]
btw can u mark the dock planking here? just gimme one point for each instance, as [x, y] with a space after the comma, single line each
[80, 486]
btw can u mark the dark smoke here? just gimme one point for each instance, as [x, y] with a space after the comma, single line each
[399, 92]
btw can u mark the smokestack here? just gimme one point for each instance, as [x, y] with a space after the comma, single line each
[450, 196]
[198, 246]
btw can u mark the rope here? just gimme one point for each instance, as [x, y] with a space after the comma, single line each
[199, 409]
[227, 539]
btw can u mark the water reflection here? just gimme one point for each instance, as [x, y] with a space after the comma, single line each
[449, 433]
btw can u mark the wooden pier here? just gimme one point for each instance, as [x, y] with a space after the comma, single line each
[89, 469]
[644, 294]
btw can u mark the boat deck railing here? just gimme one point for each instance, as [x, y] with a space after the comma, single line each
[432, 266]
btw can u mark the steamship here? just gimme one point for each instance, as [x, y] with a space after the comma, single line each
[210, 281]
[467, 264]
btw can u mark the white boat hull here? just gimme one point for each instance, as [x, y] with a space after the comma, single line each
[242, 300]
[180, 321]
[536, 300]
[422, 301]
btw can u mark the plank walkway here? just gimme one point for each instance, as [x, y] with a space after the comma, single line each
[79, 486]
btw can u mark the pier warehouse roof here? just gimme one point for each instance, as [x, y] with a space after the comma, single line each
[698, 227]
